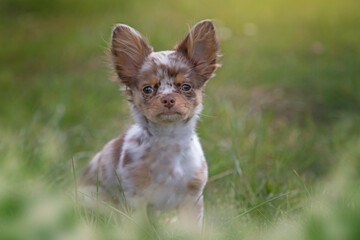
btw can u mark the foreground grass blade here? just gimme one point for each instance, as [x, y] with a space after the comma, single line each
[259, 205]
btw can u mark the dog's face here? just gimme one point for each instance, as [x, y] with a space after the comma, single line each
[165, 90]
[165, 86]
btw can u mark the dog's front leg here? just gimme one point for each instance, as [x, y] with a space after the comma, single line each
[191, 211]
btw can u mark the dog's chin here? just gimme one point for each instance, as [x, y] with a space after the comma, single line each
[168, 117]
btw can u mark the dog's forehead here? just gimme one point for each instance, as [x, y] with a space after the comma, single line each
[164, 65]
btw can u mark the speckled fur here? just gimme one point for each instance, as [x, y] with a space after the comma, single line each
[159, 160]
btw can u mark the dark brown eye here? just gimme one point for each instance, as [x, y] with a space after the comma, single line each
[148, 90]
[185, 87]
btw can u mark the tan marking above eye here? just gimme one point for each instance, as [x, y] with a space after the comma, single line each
[179, 79]
[152, 81]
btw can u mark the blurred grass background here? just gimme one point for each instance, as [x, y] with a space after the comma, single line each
[280, 118]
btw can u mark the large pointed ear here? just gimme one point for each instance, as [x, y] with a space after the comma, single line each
[201, 47]
[128, 50]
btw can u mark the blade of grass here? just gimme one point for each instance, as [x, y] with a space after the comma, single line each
[74, 173]
[126, 207]
[259, 205]
[302, 181]
[220, 175]
[97, 196]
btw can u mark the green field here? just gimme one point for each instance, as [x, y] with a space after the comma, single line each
[280, 126]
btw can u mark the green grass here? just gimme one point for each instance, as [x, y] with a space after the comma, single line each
[280, 126]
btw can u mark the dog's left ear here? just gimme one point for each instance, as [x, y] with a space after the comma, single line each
[201, 47]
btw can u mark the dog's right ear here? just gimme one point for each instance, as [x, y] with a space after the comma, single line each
[128, 50]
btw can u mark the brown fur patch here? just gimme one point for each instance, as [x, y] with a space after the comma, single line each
[88, 177]
[175, 148]
[102, 170]
[197, 182]
[147, 151]
[127, 159]
[140, 175]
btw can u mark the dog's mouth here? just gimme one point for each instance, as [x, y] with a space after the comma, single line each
[170, 116]
[169, 113]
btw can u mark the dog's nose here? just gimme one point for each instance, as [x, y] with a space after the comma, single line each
[168, 101]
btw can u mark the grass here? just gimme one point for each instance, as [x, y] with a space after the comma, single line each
[280, 126]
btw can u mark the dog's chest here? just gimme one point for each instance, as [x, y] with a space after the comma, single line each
[158, 171]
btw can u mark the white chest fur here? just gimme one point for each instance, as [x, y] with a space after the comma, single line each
[156, 170]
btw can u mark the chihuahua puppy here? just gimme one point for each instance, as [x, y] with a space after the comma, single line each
[158, 162]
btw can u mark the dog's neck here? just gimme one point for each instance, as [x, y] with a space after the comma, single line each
[184, 129]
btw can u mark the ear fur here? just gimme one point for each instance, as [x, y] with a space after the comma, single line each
[128, 50]
[201, 47]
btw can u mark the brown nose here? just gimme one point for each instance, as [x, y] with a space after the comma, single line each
[168, 101]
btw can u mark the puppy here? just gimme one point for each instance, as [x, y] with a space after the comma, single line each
[158, 162]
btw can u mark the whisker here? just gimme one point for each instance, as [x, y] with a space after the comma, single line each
[205, 115]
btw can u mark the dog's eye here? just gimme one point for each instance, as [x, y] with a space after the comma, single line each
[148, 90]
[185, 87]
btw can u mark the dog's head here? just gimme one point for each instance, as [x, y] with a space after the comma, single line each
[165, 86]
